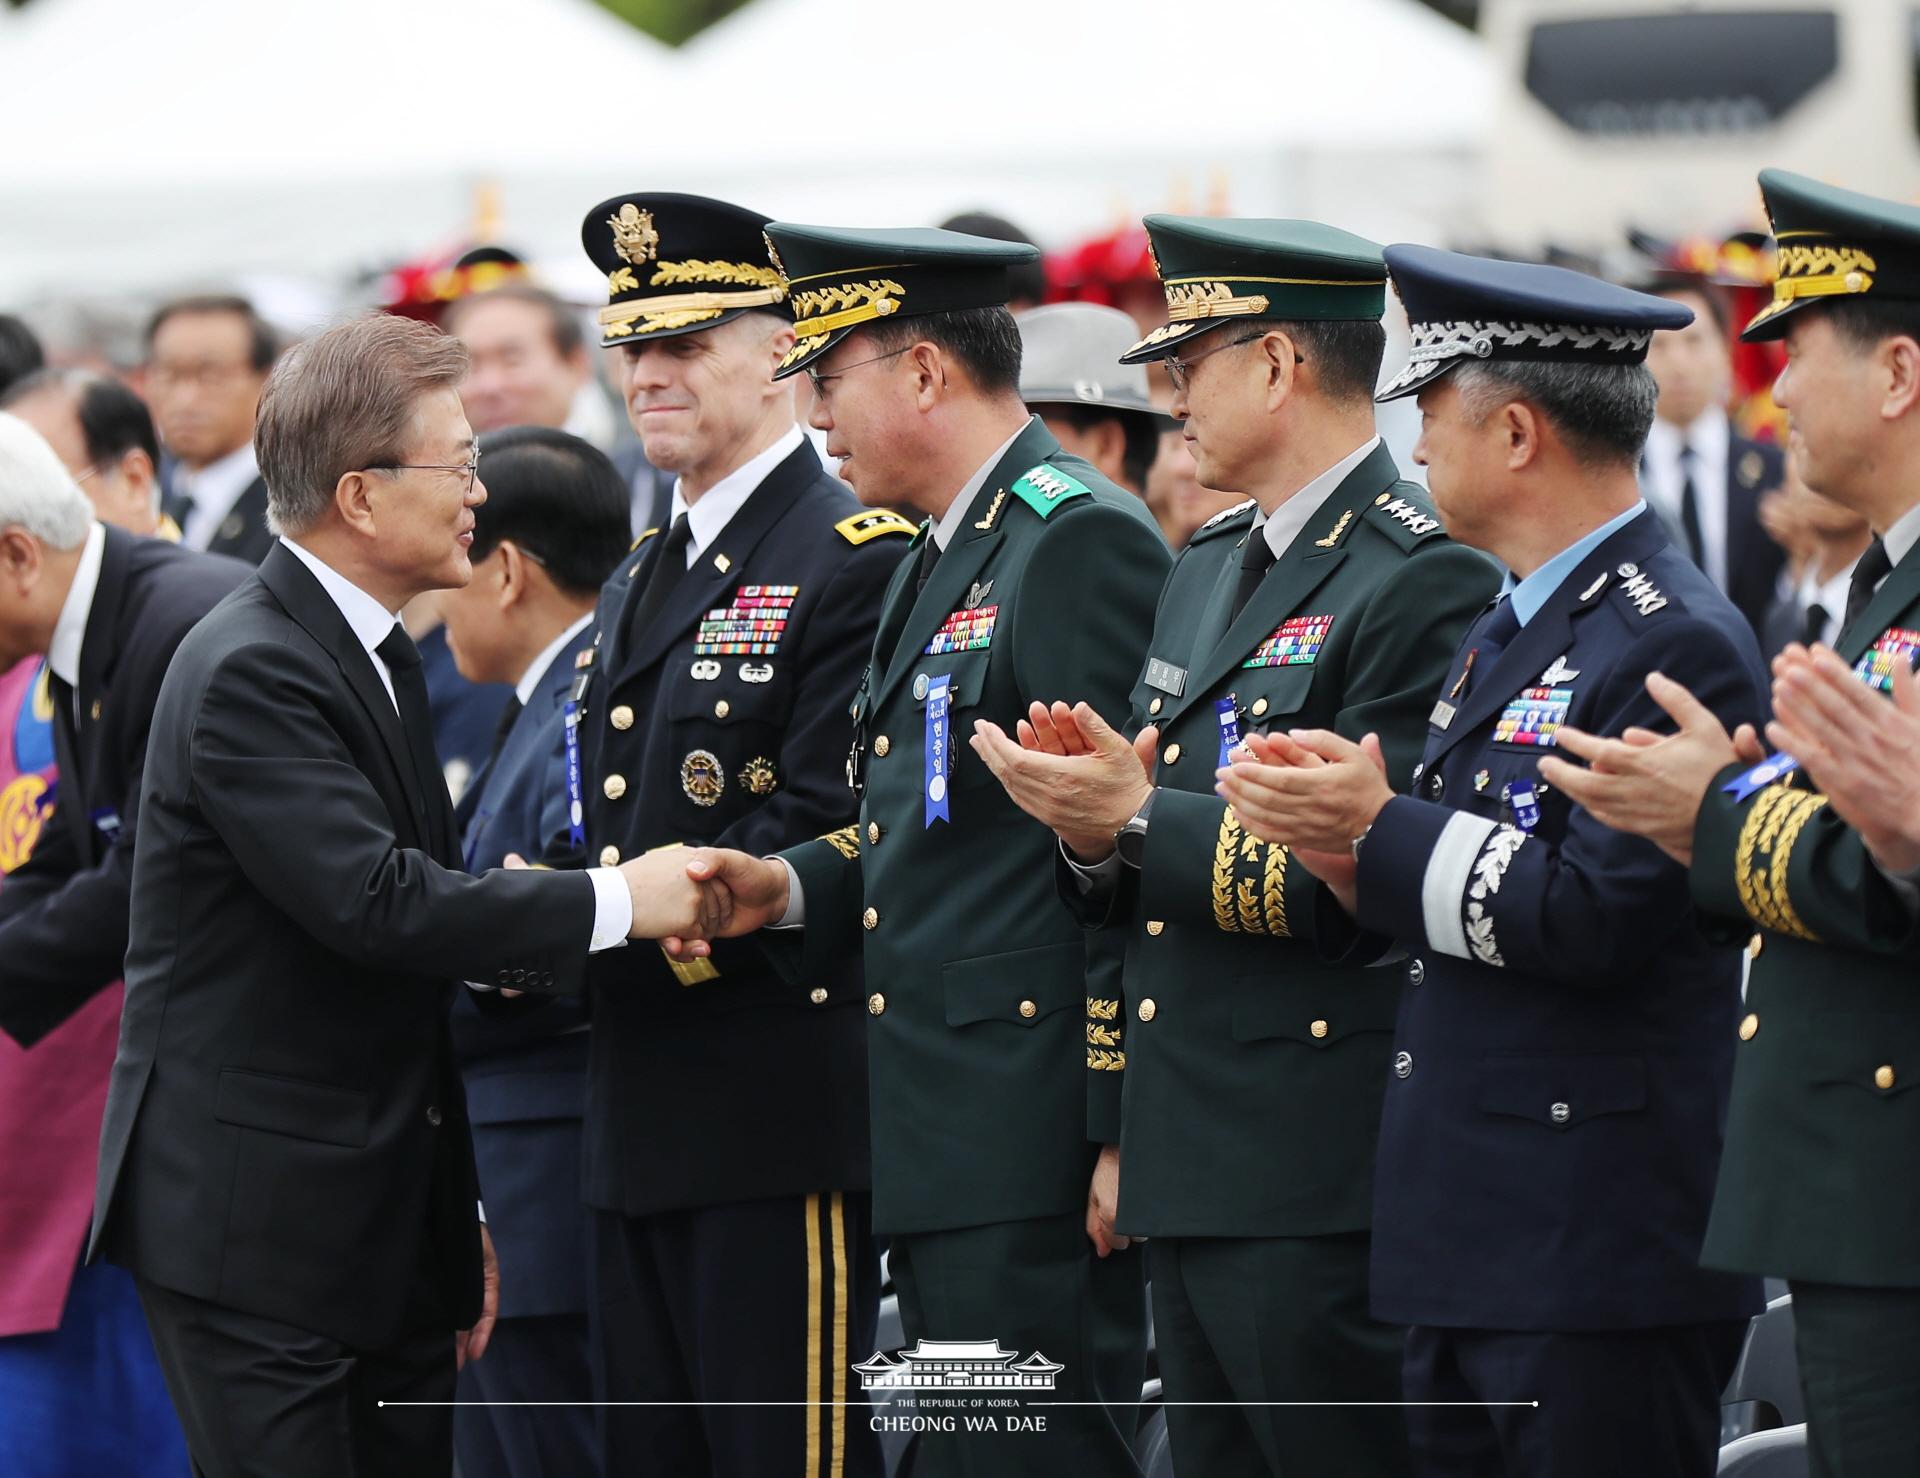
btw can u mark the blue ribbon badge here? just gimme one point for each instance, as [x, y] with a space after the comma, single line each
[1773, 767]
[939, 748]
[576, 800]
[1227, 709]
[1526, 805]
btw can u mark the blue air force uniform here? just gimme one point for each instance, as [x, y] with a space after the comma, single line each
[1564, 1047]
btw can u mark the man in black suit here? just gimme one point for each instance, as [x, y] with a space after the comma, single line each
[1701, 476]
[285, 1161]
[207, 362]
[107, 610]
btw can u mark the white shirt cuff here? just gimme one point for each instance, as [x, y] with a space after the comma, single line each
[796, 915]
[1096, 878]
[612, 909]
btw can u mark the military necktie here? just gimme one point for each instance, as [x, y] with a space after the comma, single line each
[509, 715]
[1874, 566]
[669, 569]
[416, 719]
[1256, 558]
[1814, 628]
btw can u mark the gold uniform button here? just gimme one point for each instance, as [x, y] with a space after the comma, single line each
[1156, 927]
[873, 833]
[1755, 945]
[818, 995]
[1319, 1028]
[621, 717]
[1259, 707]
[1147, 1009]
[722, 708]
[870, 919]
[881, 744]
[1173, 754]
[876, 1003]
[1156, 705]
[1029, 1010]
[1883, 1078]
[609, 856]
[614, 786]
[1749, 1027]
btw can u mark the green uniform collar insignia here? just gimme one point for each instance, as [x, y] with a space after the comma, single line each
[1045, 488]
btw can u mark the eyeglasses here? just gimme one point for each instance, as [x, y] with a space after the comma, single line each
[819, 381]
[165, 377]
[471, 468]
[1180, 370]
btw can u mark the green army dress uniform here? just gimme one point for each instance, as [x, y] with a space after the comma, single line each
[1254, 1071]
[1817, 1183]
[984, 1132]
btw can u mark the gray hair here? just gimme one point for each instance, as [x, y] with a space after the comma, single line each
[1602, 411]
[344, 402]
[37, 493]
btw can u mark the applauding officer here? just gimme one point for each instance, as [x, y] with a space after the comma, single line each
[1032, 574]
[285, 1164]
[1561, 1065]
[726, 1135]
[1331, 597]
[1817, 1184]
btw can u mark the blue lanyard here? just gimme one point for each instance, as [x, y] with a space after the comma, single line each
[576, 799]
[939, 749]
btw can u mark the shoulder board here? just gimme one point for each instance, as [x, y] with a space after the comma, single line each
[646, 535]
[861, 527]
[1405, 516]
[1217, 525]
[1636, 590]
[1045, 488]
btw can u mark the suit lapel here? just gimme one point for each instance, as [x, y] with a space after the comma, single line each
[1898, 591]
[960, 565]
[73, 746]
[293, 584]
[1289, 585]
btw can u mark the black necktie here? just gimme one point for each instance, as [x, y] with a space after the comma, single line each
[509, 715]
[1256, 558]
[1815, 626]
[1488, 640]
[1874, 566]
[669, 569]
[416, 720]
[1690, 509]
[929, 557]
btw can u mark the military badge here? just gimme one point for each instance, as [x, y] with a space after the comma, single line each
[1895, 645]
[759, 777]
[1750, 469]
[1534, 717]
[1295, 642]
[702, 778]
[964, 631]
[634, 238]
[705, 670]
[977, 593]
[1558, 673]
[750, 627]
[756, 672]
[1640, 592]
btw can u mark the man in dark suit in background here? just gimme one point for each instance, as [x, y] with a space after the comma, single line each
[285, 1163]
[107, 610]
[207, 362]
[553, 527]
[1701, 476]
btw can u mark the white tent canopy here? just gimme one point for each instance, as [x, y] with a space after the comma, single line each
[162, 145]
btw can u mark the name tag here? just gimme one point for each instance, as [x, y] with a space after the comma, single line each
[1442, 715]
[1166, 677]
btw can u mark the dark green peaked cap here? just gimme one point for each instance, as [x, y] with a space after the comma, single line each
[841, 277]
[1834, 243]
[1214, 268]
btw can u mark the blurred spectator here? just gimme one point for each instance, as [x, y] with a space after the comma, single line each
[1098, 408]
[529, 357]
[103, 433]
[1824, 541]
[207, 360]
[1702, 477]
[20, 352]
[1027, 284]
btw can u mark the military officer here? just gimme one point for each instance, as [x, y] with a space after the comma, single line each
[1331, 597]
[1032, 573]
[726, 1145]
[1817, 1182]
[1562, 1054]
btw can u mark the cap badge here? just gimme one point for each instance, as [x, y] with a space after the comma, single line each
[634, 238]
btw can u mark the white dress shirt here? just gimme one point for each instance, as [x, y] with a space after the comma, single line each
[944, 528]
[1710, 435]
[1831, 596]
[1903, 535]
[70, 629]
[215, 488]
[536, 672]
[371, 622]
[714, 509]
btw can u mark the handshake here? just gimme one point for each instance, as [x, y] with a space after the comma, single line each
[684, 897]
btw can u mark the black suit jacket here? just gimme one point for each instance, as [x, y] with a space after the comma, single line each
[285, 1131]
[737, 1087]
[243, 533]
[1754, 469]
[63, 914]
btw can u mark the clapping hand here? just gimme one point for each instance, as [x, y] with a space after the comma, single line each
[1071, 771]
[1312, 791]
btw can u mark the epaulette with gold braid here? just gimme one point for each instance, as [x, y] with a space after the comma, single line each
[845, 841]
